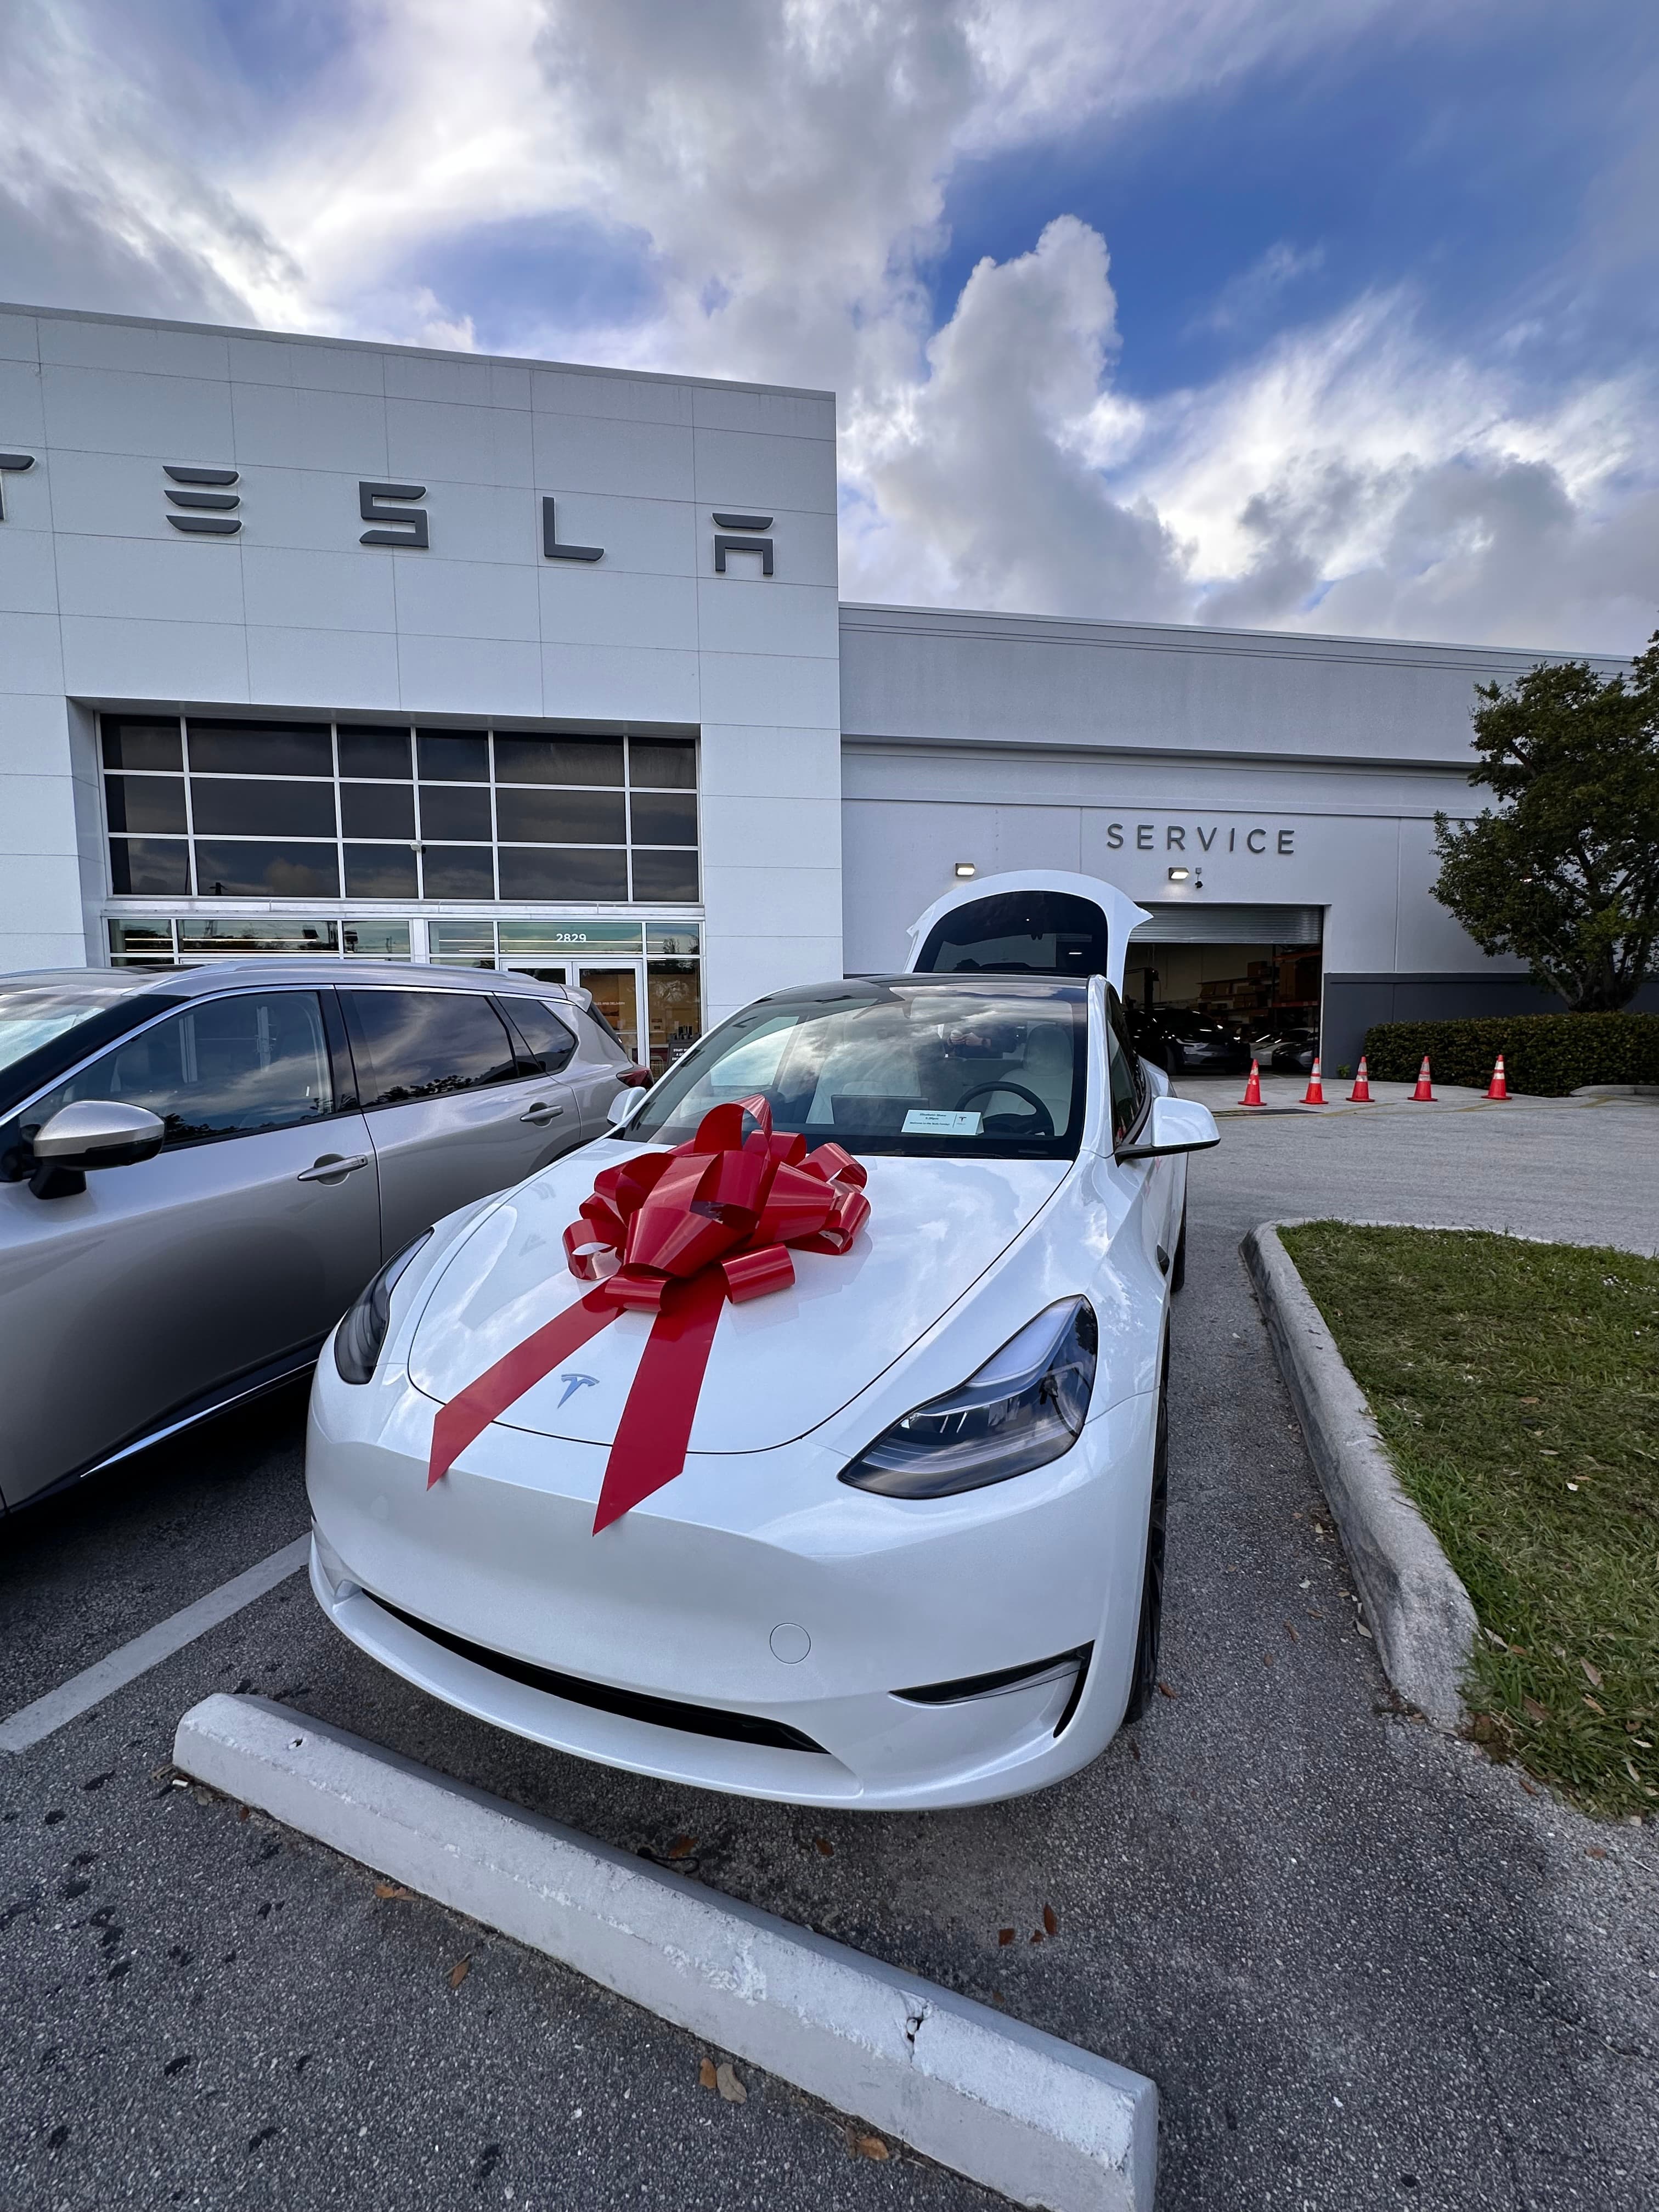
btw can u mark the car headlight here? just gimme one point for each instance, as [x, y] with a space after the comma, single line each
[361, 1332]
[1026, 1405]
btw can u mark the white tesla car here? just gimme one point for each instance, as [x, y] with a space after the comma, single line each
[805, 1438]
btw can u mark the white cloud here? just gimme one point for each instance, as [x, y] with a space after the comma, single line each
[784, 164]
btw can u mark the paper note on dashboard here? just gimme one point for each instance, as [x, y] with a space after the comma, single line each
[934, 1122]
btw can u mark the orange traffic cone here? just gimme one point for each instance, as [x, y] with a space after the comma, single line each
[1315, 1093]
[1361, 1093]
[1497, 1087]
[1253, 1088]
[1425, 1092]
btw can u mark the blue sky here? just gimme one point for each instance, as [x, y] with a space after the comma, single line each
[1337, 315]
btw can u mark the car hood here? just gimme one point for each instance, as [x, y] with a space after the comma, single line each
[782, 1364]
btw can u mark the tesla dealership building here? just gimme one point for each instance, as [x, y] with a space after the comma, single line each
[360, 650]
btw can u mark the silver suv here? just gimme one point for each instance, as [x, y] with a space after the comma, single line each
[201, 1168]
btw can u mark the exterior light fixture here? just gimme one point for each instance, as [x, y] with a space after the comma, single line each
[966, 868]
[1179, 875]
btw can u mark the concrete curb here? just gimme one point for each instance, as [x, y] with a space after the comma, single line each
[1019, 2111]
[1415, 1604]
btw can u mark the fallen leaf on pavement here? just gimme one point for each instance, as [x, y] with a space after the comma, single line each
[1037, 1935]
[1049, 1920]
[1595, 1851]
[458, 1973]
[826, 1850]
[392, 1889]
[1165, 1690]
[728, 2084]
[1292, 1633]
[706, 2077]
[1005, 1935]
[681, 1847]
[871, 2147]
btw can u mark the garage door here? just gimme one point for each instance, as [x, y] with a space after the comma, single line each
[1194, 923]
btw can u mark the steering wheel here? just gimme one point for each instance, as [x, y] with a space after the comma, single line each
[1019, 1091]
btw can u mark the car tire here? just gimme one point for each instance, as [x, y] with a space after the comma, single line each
[1144, 1682]
[1178, 1265]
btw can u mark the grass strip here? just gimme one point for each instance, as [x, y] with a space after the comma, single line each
[1516, 1386]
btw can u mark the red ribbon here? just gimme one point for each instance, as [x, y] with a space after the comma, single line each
[673, 1235]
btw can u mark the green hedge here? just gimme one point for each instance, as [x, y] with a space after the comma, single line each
[1547, 1055]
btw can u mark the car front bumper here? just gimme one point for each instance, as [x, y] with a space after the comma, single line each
[698, 1603]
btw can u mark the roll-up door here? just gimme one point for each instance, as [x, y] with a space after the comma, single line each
[1193, 922]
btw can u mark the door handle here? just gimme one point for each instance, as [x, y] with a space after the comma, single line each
[332, 1171]
[541, 1114]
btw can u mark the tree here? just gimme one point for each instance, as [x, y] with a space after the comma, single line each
[1566, 872]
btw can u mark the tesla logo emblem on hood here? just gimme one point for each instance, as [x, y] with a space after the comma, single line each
[573, 1383]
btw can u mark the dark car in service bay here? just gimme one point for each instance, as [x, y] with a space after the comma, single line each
[201, 1168]
[1182, 1042]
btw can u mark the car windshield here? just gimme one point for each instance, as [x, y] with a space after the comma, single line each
[33, 1014]
[925, 1068]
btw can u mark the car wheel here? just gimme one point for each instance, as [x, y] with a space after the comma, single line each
[1178, 1265]
[1144, 1679]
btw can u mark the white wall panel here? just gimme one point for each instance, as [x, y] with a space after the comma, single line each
[20, 337]
[757, 687]
[471, 444]
[23, 412]
[586, 452]
[170, 418]
[768, 763]
[439, 598]
[31, 653]
[615, 682]
[754, 614]
[598, 605]
[283, 426]
[743, 468]
[324, 668]
[28, 568]
[469, 676]
[286, 588]
[613, 399]
[154, 582]
[115, 657]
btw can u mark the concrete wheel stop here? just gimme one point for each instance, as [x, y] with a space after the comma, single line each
[1020, 2112]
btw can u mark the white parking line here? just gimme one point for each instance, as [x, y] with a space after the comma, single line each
[125, 1664]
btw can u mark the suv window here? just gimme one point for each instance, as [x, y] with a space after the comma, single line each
[1128, 1075]
[550, 1043]
[409, 1045]
[224, 1067]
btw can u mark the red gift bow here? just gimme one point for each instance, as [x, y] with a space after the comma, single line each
[674, 1235]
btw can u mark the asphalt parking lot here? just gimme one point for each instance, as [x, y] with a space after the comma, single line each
[1365, 1967]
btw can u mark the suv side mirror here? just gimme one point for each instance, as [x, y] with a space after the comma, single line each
[94, 1132]
[1174, 1125]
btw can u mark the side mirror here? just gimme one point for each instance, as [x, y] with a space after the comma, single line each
[1174, 1125]
[623, 1107]
[94, 1133]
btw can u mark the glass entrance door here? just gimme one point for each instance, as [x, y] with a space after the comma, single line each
[616, 987]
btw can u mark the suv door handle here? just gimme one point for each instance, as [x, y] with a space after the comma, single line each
[541, 1114]
[333, 1169]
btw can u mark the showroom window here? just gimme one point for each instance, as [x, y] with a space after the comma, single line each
[205, 808]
